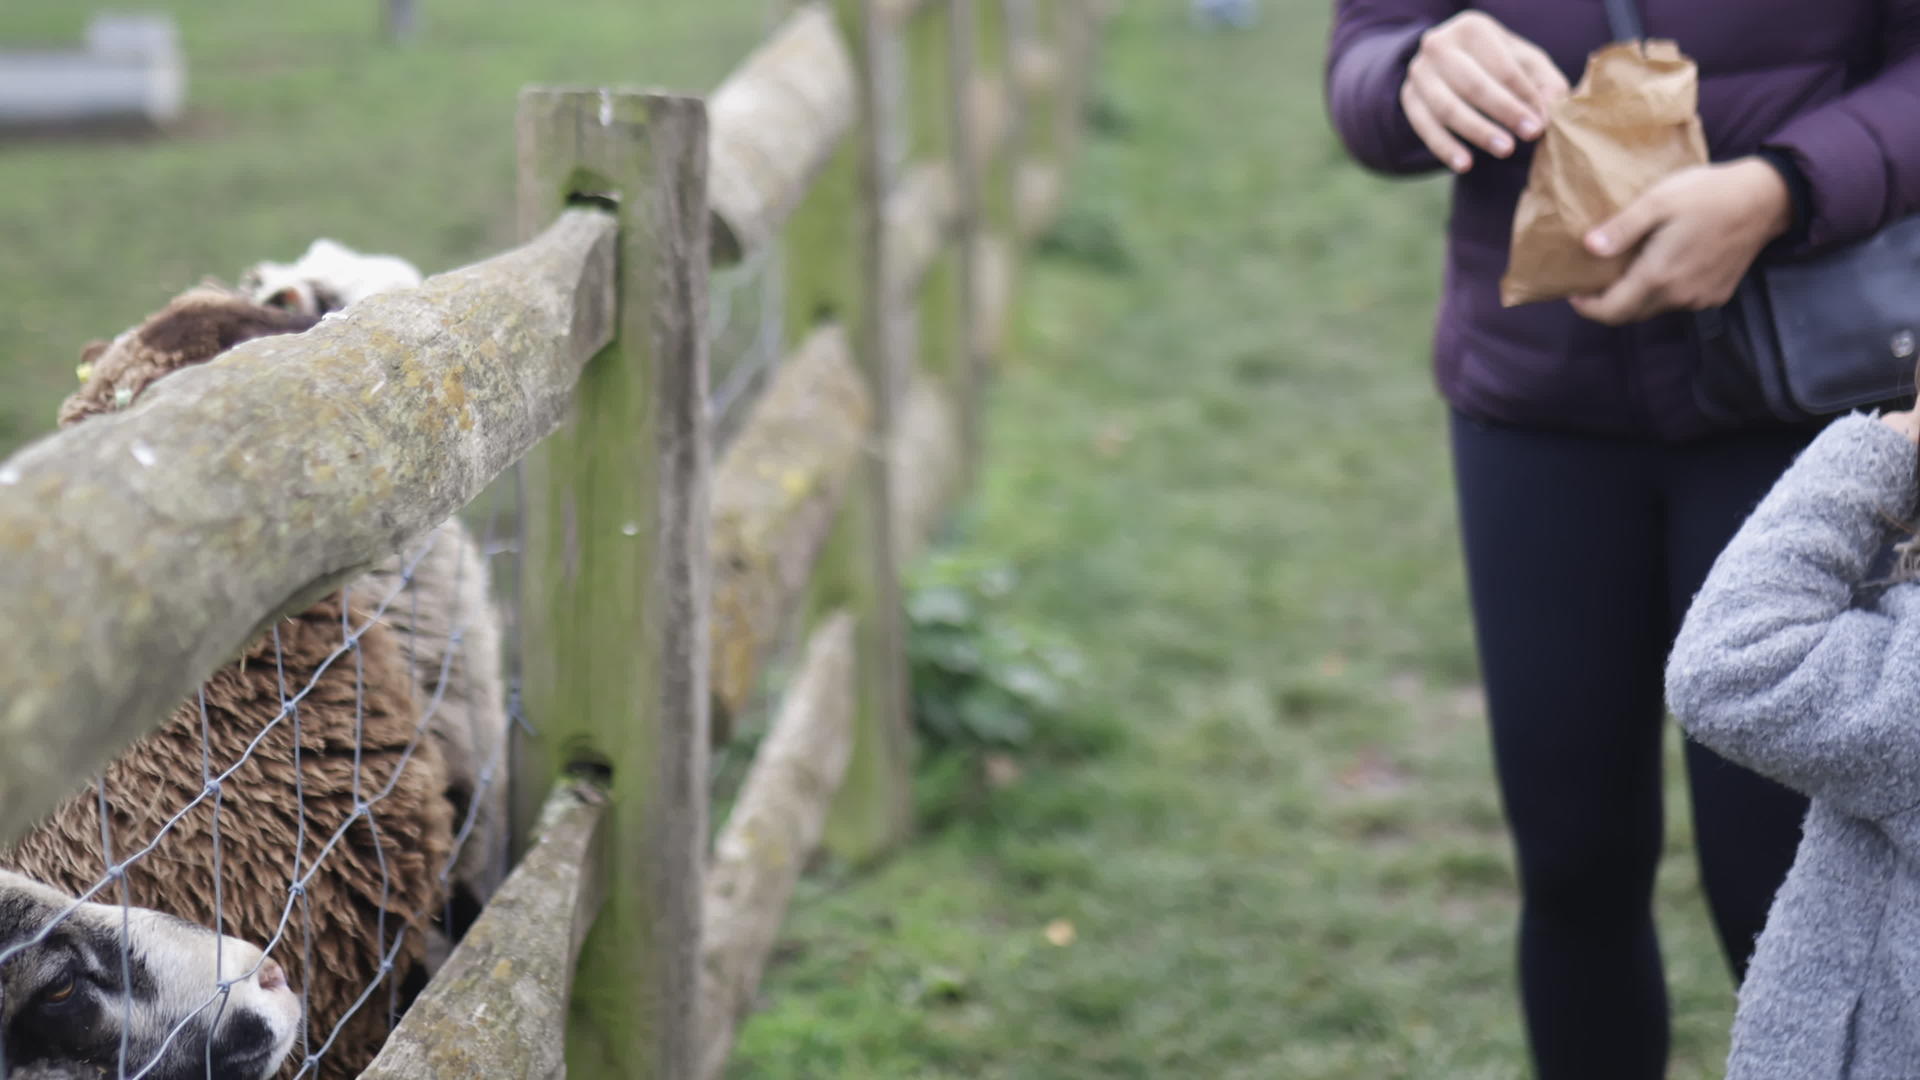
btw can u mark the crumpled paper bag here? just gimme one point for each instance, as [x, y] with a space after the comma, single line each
[1632, 121]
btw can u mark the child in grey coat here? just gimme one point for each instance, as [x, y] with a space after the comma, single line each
[1796, 664]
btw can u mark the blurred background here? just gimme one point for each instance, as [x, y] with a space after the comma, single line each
[1205, 791]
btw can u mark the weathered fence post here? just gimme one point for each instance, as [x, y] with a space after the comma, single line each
[931, 294]
[966, 373]
[996, 168]
[838, 268]
[1039, 69]
[616, 573]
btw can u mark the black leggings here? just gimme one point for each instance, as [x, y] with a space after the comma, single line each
[1582, 556]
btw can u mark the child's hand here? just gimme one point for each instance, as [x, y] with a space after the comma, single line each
[1906, 423]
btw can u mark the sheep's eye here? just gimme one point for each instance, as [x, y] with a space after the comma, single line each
[62, 993]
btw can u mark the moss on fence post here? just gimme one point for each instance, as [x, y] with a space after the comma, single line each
[997, 251]
[836, 270]
[1037, 55]
[939, 57]
[615, 586]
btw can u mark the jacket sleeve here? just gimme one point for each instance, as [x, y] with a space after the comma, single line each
[1860, 152]
[1372, 43]
[1777, 667]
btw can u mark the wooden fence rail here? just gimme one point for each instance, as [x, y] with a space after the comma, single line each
[143, 550]
[776, 122]
[896, 153]
[776, 824]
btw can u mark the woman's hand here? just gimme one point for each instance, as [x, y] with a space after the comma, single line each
[1698, 231]
[1476, 80]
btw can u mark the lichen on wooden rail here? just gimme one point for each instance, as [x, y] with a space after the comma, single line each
[1036, 67]
[1038, 197]
[775, 123]
[775, 494]
[140, 551]
[920, 216]
[498, 1006]
[991, 118]
[892, 15]
[775, 826]
[995, 260]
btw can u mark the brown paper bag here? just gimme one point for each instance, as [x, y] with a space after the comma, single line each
[1632, 121]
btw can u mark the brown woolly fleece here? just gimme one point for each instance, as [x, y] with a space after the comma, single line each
[443, 615]
[384, 874]
[194, 327]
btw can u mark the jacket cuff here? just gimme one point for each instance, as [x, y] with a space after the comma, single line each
[1844, 168]
[1799, 196]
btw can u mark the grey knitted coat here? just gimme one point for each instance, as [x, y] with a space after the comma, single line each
[1793, 663]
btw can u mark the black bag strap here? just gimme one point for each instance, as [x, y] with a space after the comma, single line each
[1623, 17]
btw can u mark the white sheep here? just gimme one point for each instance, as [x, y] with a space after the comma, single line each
[328, 278]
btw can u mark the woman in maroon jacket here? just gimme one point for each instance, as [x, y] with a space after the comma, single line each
[1593, 492]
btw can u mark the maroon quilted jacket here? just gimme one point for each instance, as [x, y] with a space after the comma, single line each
[1834, 84]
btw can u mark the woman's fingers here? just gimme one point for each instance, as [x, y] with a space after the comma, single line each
[1433, 133]
[1436, 91]
[1549, 83]
[1474, 82]
[1491, 81]
[1628, 300]
[1655, 281]
[1626, 229]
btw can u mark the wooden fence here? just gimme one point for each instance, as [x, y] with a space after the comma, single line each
[895, 154]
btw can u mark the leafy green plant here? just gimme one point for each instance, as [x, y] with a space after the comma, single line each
[1106, 117]
[1090, 237]
[980, 679]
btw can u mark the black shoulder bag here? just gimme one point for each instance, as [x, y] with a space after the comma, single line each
[1809, 337]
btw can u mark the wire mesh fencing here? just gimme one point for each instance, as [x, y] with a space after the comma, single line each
[329, 809]
[746, 334]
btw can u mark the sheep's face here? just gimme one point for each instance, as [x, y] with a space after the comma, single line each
[103, 976]
[277, 285]
[328, 278]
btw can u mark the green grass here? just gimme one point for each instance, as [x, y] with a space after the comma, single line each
[1219, 471]
[304, 123]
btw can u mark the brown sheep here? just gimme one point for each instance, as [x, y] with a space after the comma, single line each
[389, 869]
[342, 913]
[194, 327]
[442, 592]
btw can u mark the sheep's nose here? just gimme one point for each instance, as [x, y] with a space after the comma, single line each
[271, 976]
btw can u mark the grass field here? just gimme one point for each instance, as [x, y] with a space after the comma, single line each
[304, 123]
[1268, 845]
[1218, 470]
